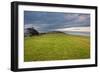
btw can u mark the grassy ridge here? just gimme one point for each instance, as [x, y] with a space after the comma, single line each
[57, 46]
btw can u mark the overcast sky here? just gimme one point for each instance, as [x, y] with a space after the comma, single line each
[50, 21]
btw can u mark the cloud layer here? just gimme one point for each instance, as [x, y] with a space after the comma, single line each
[49, 21]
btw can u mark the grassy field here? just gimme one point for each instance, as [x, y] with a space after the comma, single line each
[57, 46]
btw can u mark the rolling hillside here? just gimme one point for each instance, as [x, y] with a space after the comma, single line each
[56, 46]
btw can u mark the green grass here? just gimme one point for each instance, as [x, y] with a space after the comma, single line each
[57, 46]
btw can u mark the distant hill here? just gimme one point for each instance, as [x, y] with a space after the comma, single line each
[53, 32]
[56, 32]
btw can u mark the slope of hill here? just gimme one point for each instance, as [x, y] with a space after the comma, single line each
[57, 46]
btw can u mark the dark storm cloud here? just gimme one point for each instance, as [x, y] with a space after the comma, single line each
[47, 21]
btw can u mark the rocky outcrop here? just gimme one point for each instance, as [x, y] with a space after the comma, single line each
[30, 32]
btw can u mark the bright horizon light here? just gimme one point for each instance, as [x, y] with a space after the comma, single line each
[75, 29]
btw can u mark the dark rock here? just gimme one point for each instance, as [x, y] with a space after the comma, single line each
[31, 32]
